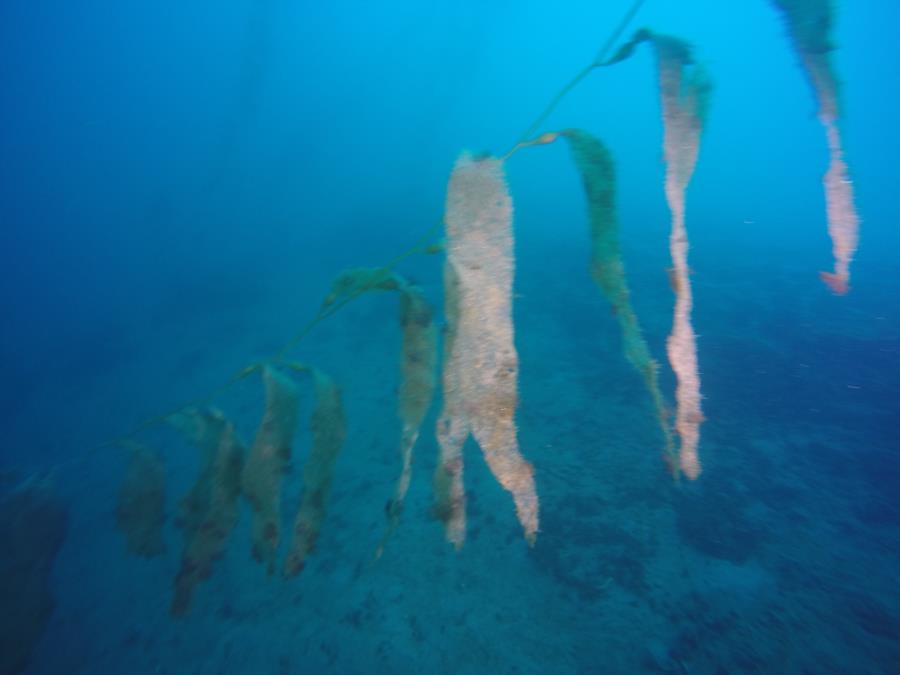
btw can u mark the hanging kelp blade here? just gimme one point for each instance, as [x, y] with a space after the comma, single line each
[418, 364]
[481, 364]
[417, 384]
[595, 164]
[684, 94]
[140, 512]
[809, 24]
[209, 512]
[263, 474]
[329, 430]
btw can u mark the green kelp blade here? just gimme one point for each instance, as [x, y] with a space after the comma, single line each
[263, 473]
[418, 363]
[417, 385]
[598, 174]
[329, 429]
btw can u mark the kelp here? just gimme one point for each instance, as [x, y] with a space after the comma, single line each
[209, 511]
[354, 282]
[140, 512]
[481, 363]
[263, 473]
[417, 384]
[595, 164]
[329, 429]
[480, 377]
[684, 93]
[809, 24]
[418, 365]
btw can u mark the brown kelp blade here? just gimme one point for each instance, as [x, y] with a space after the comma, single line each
[481, 362]
[329, 430]
[595, 164]
[263, 473]
[418, 364]
[140, 512]
[209, 511]
[417, 384]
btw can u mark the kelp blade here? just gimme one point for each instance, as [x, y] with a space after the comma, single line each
[263, 474]
[481, 363]
[210, 509]
[417, 384]
[140, 512]
[595, 164]
[329, 430]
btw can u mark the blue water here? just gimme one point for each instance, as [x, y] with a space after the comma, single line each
[179, 184]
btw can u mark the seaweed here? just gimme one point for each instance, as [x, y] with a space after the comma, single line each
[329, 429]
[140, 512]
[263, 473]
[209, 511]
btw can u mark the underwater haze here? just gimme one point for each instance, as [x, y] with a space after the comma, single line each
[203, 469]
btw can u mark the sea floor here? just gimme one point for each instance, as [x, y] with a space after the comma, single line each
[781, 558]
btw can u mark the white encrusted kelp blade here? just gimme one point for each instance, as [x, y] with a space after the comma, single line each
[809, 24]
[683, 95]
[481, 364]
[264, 471]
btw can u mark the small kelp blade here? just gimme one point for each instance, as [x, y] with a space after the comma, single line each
[209, 511]
[329, 429]
[263, 473]
[140, 512]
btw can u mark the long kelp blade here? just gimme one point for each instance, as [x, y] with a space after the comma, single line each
[418, 363]
[329, 429]
[417, 384]
[809, 24]
[595, 164]
[209, 512]
[481, 370]
[263, 474]
[684, 91]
